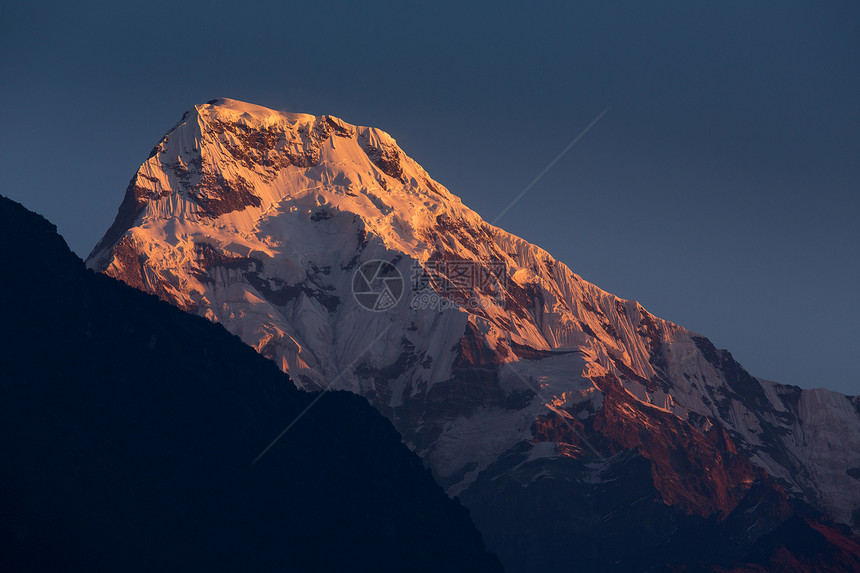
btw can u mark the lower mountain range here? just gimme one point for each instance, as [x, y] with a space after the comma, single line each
[128, 428]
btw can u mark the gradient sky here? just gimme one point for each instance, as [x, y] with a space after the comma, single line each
[721, 189]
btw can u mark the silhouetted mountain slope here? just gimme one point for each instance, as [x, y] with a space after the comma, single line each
[127, 430]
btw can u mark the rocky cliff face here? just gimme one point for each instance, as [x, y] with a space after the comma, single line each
[326, 248]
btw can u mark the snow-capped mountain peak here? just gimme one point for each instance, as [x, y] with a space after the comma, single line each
[485, 351]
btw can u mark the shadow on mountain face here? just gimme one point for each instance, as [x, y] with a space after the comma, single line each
[127, 431]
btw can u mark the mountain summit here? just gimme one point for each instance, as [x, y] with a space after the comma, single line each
[566, 418]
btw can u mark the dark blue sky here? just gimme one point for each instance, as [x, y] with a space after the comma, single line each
[721, 190]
